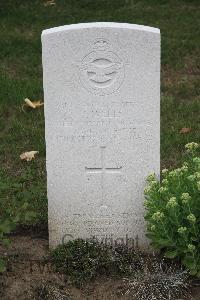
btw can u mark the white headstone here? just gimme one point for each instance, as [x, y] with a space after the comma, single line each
[102, 119]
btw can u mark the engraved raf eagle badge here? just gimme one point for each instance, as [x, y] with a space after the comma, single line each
[101, 71]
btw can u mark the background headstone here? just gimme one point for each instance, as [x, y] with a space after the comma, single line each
[102, 119]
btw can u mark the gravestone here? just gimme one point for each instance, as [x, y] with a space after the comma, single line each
[102, 119]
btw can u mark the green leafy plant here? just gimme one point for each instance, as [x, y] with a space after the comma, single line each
[14, 209]
[173, 210]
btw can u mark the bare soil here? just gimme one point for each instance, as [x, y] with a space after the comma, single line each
[28, 277]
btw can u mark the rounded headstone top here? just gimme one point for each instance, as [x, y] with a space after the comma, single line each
[100, 25]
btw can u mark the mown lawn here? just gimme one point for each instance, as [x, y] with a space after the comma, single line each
[21, 23]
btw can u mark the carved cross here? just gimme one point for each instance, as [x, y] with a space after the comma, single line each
[103, 170]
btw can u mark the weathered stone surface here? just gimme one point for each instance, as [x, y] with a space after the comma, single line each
[102, 118]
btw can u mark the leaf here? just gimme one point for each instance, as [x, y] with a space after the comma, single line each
[6, 242]
[189, 262]
[171, 254]
[32, 104]
[163, 242]
[185, 130]
[16, 219]
[5, 227]
[2, 265]
[194, 238]
[198, 274]
[29, 103]
[25, 205]
[150, 235]
[193, 272]
[37, 103]
[50, 3]
[29, 216]
[155, 245]
[28, 155]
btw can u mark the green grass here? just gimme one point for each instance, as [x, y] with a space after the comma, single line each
[21, 23]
